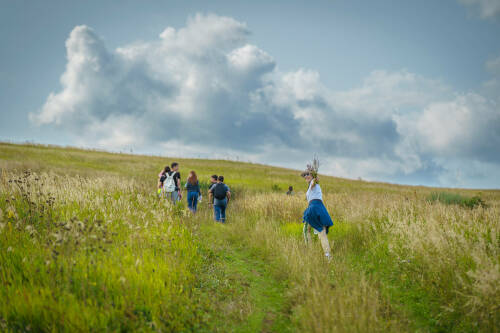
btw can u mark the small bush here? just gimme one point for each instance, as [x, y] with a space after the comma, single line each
[448, 198]
[275, 188]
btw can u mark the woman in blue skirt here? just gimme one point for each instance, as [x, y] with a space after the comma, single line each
[316, 215]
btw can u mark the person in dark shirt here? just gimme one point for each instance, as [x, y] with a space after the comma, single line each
[221, 195]
[177, 179]
[290, 191]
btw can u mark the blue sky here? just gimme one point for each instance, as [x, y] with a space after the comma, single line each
[398, 91]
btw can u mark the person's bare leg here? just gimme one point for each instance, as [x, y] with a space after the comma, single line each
[324, 242]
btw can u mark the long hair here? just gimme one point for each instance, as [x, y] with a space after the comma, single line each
[192, 178]
[166, 170]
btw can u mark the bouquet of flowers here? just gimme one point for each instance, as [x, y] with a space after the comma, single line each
[313, 168]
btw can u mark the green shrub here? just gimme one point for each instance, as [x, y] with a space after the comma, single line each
[275, 188]
[448, 198]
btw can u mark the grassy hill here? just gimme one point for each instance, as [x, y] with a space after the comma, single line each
[86, 245]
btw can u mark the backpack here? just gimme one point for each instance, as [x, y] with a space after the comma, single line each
[220, 191]
[169, 182]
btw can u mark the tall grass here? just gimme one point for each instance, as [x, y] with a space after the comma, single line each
[444, 256]
[93, 254]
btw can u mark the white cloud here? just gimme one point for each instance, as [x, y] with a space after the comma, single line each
[90, 78]
[384, 93]
[203, 90]
[467, 127]
[202, 33]
[250, 58]
[485, 8]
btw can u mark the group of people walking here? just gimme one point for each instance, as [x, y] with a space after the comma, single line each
[316, 216]
[169, 188]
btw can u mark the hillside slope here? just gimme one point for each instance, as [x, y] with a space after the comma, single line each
[85, 244]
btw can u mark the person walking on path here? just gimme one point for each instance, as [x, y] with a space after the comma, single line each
[221, 196]
[213, 181]
[171, 183]
[316, 215]
[193, 191]
[177, 196]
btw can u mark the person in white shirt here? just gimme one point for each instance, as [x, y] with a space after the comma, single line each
[316, 215]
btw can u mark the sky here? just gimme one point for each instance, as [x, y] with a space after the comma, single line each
[396, 91]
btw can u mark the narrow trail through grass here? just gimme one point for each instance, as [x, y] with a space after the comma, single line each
[242, 283]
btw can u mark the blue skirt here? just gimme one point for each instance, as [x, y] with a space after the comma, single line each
[317, 216]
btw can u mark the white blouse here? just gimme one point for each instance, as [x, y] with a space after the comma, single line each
[314, 192]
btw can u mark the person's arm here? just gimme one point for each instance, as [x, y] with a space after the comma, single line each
[210, 197]
[228, 195]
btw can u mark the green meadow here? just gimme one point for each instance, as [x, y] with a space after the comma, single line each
[86, 245]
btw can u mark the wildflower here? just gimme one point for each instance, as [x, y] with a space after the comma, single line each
[9, 249]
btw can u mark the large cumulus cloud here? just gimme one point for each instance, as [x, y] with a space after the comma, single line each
[204, 90]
